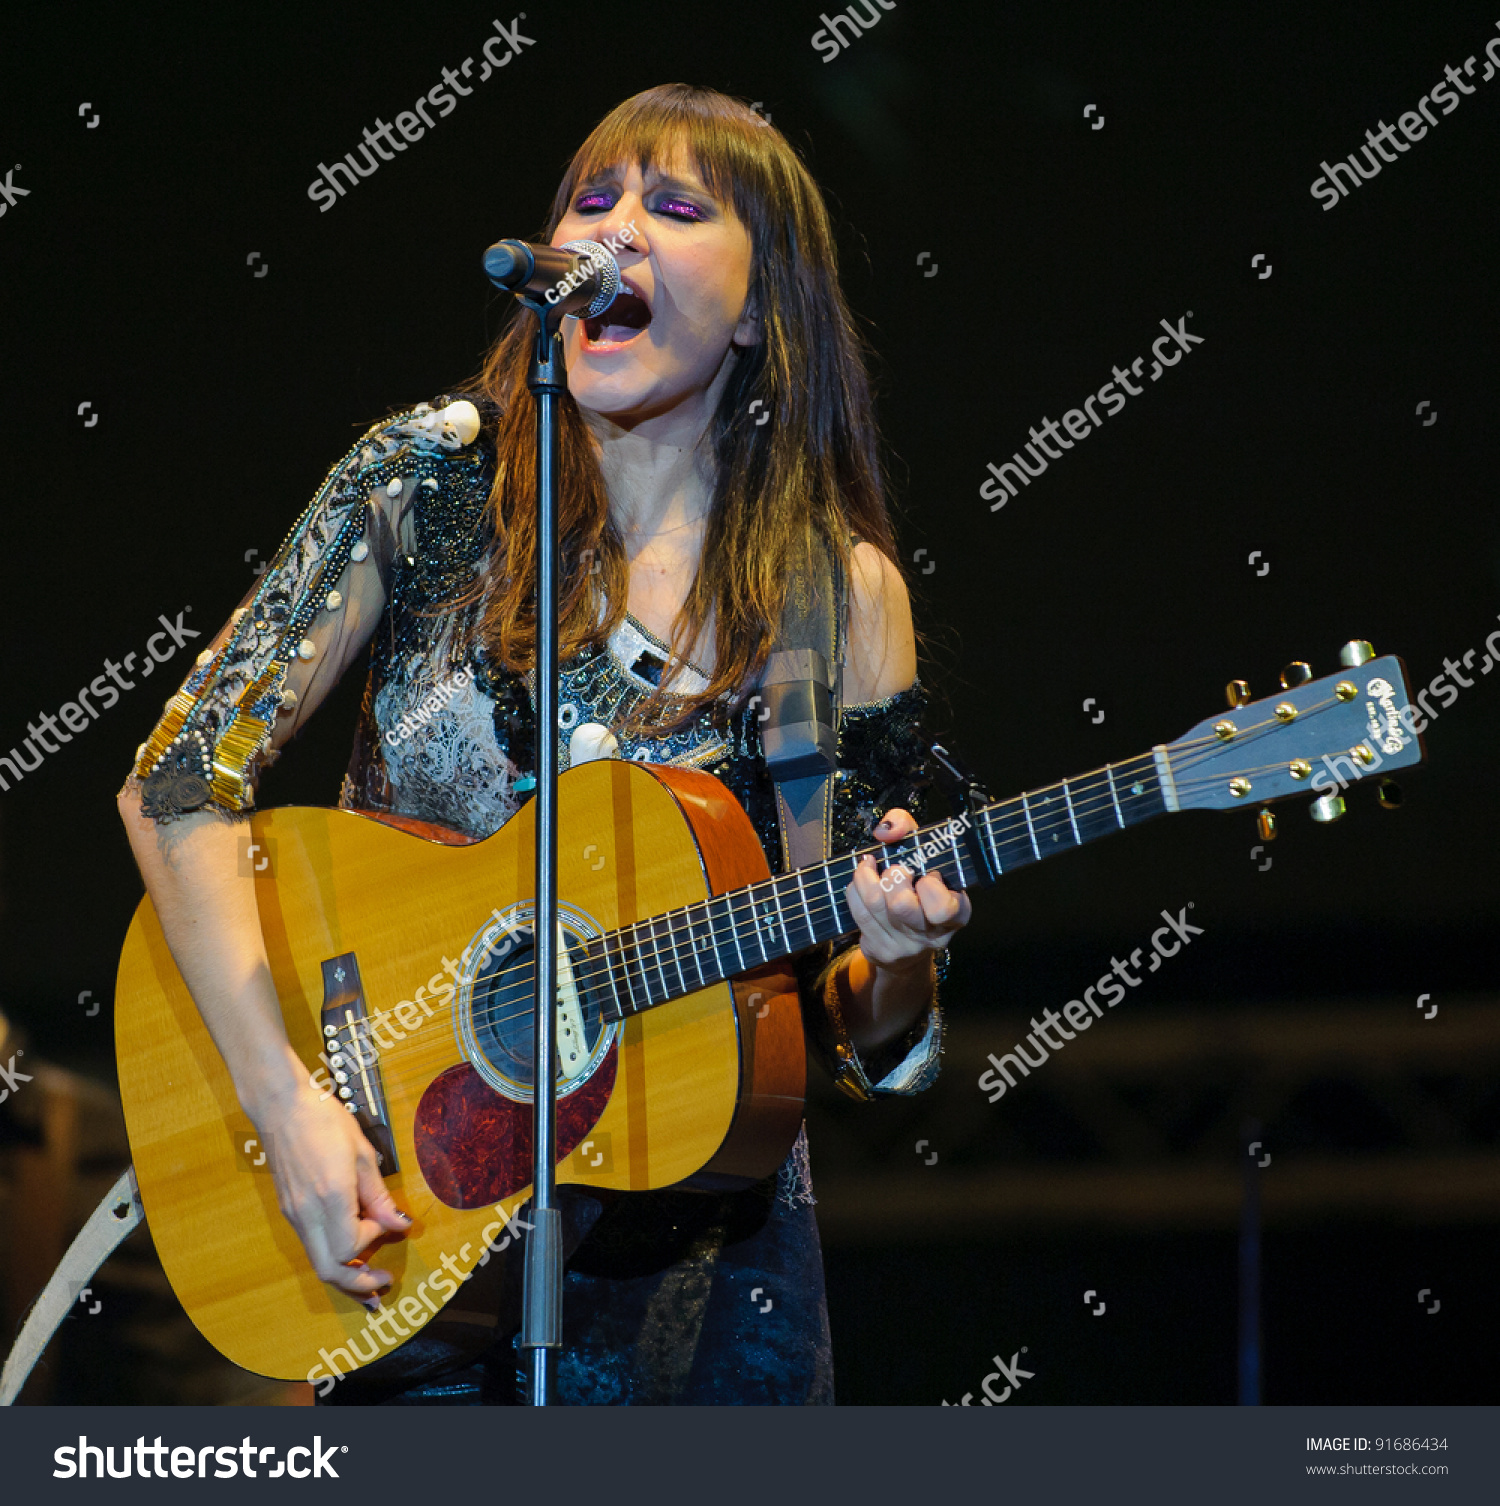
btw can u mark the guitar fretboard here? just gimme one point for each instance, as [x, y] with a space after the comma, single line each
[640, 966]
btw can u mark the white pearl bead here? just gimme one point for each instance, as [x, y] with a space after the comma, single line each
[307, 649]
[360, 551]
[463, 418]
[590, 741]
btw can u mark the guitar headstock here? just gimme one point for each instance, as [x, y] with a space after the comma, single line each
[1316, 737]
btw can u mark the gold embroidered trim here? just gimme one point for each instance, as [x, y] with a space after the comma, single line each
[242, 740]
[178, 710]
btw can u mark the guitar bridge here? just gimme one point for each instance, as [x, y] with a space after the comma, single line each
[352, 1058]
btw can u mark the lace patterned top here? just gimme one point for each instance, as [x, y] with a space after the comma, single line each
[445, 736]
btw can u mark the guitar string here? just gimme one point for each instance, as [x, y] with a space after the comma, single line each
[514, 983]
[508, 998]
[673, 936]
[665, 933]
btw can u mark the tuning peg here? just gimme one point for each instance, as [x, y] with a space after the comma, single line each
[1265, 820]
[1328, 807]
[1296, 673]
[1237, 693]
[1356, 652]
[1388, 793]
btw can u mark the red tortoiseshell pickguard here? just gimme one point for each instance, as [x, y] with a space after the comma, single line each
[474, 1145]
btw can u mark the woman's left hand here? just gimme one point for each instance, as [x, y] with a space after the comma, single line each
[901, 920]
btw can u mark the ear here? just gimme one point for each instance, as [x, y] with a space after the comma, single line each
[747, 331]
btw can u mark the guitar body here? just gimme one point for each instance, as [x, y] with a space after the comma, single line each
[704, 1090]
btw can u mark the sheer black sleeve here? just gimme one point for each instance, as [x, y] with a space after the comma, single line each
[883, 764]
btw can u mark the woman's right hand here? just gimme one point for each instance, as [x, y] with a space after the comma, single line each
[329, 1187]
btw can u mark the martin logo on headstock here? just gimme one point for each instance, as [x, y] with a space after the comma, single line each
[1385, 719]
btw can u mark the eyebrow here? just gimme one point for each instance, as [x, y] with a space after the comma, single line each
[654, 180]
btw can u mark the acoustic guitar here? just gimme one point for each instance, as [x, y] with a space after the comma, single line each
[402, 959]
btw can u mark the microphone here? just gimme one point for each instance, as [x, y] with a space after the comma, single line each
[581, 278]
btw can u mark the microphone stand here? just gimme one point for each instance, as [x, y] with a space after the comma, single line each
[541, 1293]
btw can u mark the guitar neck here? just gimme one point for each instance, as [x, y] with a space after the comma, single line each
[675, 953]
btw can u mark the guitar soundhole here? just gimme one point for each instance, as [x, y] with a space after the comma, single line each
[501, 999]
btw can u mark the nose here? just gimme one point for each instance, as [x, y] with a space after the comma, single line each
[624, 226]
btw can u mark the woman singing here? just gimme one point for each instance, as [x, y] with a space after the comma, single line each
[684, 515]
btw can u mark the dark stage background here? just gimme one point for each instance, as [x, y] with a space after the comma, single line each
[167, 268]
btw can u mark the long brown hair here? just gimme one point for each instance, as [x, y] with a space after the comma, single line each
[813, 470]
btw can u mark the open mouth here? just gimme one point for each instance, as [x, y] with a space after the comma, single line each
[620, 323]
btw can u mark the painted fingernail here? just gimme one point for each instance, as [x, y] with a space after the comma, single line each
[404, 1217]
[373, 1303]
[885, 825]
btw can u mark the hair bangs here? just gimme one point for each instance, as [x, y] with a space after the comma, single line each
[720, 138]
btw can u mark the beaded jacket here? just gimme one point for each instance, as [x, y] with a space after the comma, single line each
[397, 530]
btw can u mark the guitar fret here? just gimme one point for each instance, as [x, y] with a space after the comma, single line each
[609, 975]
[626, 970]
[989, 827]
[1093, 808]
[833, 899]
[661, 972]
[677, 955]
[776, 915]
[734, 934]
[1072, 818]
[812, 934]
[1114, 794]
[765, 924]
[1031, 830]
[697, 949]
[646, 962]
